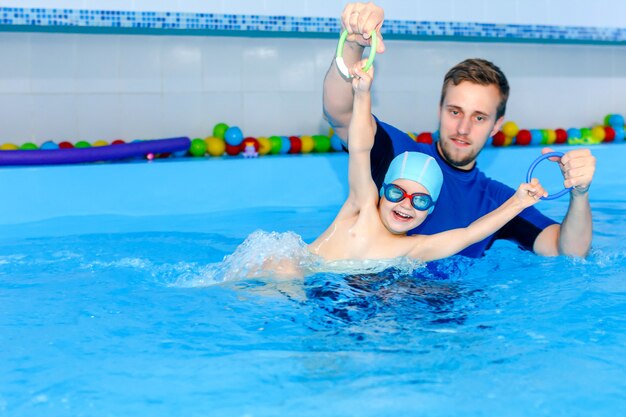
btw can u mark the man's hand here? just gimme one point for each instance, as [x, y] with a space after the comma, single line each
[360, 19]
[578, 167]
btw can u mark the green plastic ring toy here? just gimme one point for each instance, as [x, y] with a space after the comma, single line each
[339, 58]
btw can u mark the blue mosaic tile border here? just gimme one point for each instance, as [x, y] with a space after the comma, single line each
[66, 19]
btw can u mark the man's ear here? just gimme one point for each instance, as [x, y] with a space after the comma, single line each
[497, 126]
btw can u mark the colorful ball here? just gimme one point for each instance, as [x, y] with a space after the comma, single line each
[336, 143]
[250, 141]
[28, 146]
[99, 143]
[118, 142]
[510, 129]
[295, 144]
[233, 136]
[308, 144]
[523, 137]
[215, 146]
[598, 134]
[424, 137]
[609, 134]
[561, 136]
[619, 133]
[535, 137]
[81, 144]
[544, 136]
[219, 130]
[616, 120]
[551, 136]
[276, 143]
[498, 139]
[48, 146]
[66, 145]
[232, 150]
[9, 147]
[264, 145]
[573, 135]
[285, 144]
[435, 136]
[606, 120]
[197, 147]
[322, 143]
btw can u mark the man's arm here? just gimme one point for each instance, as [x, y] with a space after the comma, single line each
[573, 236]
[359, 19]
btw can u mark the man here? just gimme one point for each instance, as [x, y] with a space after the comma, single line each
[471, 109]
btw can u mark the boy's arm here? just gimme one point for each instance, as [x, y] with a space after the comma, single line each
[448, 243]
[361, 132]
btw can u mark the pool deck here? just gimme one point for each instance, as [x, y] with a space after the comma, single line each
[203, 186]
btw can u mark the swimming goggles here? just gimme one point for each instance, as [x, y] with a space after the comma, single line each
[395, 194]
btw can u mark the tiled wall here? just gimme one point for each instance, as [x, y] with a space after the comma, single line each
[70, 86]
[77, 86]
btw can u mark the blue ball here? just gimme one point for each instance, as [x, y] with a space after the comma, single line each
[49, 145]
[435, 135]
[336, 143]
[535, 137]
[573, 133]
[285, 144]
[233, 136]
[619, 133]
[616, 120]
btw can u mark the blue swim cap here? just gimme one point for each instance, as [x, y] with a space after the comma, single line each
[418, 167]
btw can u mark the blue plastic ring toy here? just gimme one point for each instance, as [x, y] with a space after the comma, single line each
[532, 168]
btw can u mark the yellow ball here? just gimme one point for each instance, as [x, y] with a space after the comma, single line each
[9, 147]
[331, 132]
[215, 146]
[265, 146]
[551, 136]
[510, 129]
[598, 134]
[508, 140]
[308, 143]
[100, 143]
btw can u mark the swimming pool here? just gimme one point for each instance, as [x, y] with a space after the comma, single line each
[105, 306]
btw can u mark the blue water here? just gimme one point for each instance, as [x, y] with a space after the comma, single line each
[131, 323]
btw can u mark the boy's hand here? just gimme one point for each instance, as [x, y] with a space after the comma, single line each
[361, 80]
[530, 193]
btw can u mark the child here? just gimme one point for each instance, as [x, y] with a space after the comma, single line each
[367, 227]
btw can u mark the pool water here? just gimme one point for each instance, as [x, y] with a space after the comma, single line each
[126, 323]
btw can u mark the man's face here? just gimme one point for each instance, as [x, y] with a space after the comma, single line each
[467, 119]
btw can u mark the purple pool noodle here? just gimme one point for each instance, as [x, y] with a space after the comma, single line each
[99, 153]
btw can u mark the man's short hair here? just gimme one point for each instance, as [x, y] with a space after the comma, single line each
[478, 71]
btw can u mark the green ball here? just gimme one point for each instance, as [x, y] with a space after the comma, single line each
[322, 143]
[219, 130]
[197, 147]
[606, 120]
[276, 144]
[82, 144]
[544, 136]
[585, 133]
[28, 146]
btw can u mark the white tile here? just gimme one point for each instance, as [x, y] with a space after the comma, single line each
[470, 11]
[153, 5]
[296, 65]
[106, 5]
[261, 65]
[15, 68]
[53, 63]
[435, 11]
[140, 116]
[97, 64]
[140, 64]
[400, 10]
[54, 117]
[182, 115]
[17, 114]
[396, 69]
[98, 117]
[262, 113]
[300, 113]
[406, 111]
[217, 107]
[325, 8]
[498, 11]
[181, 60]
[222, 61]
[272, 7]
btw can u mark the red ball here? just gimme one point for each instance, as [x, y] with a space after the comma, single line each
[424, 137]
[498, 139]
[233, 150]
[250, 141]
[561, 136]
[296, 144]
[523, 137]
[66, 145]
[609, 134]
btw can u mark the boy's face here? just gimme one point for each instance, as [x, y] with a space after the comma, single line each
[467, 118]
[401, 217]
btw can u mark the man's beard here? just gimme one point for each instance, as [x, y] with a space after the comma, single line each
[457, 163]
